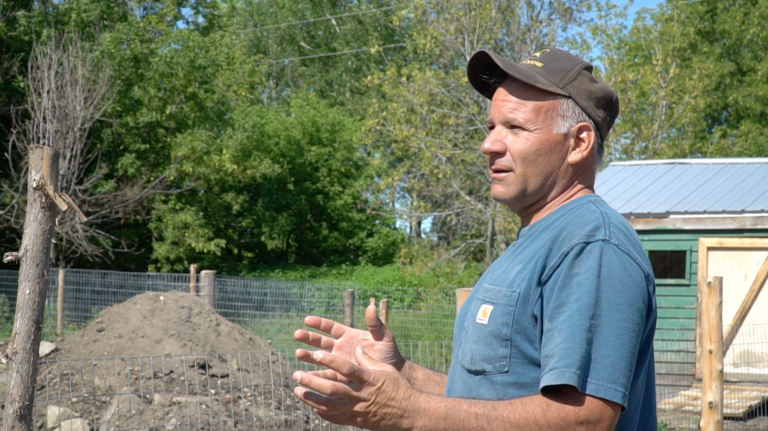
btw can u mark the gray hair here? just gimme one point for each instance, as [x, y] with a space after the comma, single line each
[570, 114]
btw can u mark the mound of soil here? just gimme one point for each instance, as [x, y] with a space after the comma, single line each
[165, 362]
[156, 324]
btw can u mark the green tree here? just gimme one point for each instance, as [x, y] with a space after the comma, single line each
[281, 184]
[691, 78]
[324, 46]
[427, 124]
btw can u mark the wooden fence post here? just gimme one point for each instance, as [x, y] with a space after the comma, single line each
[192, 278]
[461, 296]
[712, 355]
[349, 308]
[60, 304]
[208, 286]
[383, 311]
[35, 262]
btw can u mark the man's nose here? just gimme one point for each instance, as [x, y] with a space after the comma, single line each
[492, 144]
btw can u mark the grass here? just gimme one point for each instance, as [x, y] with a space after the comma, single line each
[444, 276]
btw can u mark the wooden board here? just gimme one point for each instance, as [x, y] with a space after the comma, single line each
[737, 260]
[739, 400]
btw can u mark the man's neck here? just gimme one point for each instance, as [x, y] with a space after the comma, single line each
[539, 213]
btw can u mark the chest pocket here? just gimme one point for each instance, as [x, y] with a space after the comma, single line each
[487, 333]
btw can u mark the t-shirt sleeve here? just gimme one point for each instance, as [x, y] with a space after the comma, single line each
[595, 305]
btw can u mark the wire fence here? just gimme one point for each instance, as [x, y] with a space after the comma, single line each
[218, 391]
[745, 371]
[273, 309]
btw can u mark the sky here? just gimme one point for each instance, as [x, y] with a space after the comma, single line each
[637, 5]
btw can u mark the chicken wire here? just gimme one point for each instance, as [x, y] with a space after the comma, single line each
[215, 391]
[273, 309]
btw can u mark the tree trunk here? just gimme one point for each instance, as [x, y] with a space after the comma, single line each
[489, 237]
[416, 228]
[35, 261]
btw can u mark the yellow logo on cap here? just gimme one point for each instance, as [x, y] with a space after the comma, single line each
[540, 53]
[535, 63]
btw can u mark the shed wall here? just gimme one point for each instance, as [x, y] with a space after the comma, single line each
[675, 340]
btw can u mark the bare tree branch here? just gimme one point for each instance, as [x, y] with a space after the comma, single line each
[68, 92]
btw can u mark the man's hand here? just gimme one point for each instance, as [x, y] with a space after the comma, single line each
[342, 341]
[365, 393]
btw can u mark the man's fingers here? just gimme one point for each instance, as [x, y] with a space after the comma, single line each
[306, 356]
[327, 388]
[375, 325]
[342, 366]
[314, 339]
[317, 401]
[328, 326]
[329, 375]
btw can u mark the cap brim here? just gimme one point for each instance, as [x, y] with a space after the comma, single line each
[485, 69]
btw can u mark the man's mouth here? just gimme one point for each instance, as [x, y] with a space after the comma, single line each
[498, 171]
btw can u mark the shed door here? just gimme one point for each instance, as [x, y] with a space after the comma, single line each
[738, 262]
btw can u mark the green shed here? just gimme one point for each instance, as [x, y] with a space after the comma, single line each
[672, 204]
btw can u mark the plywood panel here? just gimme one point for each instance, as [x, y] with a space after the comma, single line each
[738, 269]
[738, 261]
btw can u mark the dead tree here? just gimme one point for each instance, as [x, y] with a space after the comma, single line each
[62, 103]
[69, 91]
[34, 257]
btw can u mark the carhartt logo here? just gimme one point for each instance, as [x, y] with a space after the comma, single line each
[540, 53]
[484, 314]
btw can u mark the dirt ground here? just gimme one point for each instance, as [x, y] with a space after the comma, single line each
[180, 366]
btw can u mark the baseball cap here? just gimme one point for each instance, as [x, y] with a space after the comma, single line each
[553, 70]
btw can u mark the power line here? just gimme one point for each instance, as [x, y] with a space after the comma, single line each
[285, 24]
[331, 54]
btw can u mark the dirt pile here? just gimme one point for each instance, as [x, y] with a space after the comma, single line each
[156, 324]
[162, 362]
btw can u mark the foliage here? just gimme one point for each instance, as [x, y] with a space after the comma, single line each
[299, 41]
[426, 126]
[448, 275]
[335, 133]
[691, 77]
[276, 186]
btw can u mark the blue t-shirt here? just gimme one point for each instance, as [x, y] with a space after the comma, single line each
[571, 302]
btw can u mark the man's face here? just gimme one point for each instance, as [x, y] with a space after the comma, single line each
[526, 159]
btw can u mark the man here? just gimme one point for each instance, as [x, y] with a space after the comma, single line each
[558, 332]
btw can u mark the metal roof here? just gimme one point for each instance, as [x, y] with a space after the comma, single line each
[705, 187]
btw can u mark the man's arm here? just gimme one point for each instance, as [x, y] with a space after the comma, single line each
[377, 397]
[378, 342]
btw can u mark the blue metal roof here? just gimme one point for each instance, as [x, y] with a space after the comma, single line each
[654, 188]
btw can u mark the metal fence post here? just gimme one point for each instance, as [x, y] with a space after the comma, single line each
[60, 304]
[208, 286]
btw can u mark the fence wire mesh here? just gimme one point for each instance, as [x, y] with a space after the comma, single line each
[272, 309]
[218, 391]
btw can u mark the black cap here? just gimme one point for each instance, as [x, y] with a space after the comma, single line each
[553, 70]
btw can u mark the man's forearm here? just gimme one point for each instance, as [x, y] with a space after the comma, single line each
[424, 379]
[571, 411]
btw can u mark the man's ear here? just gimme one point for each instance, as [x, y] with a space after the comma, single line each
[582, 144]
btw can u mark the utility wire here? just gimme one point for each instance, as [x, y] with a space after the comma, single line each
[317, 19]
[331, 54]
